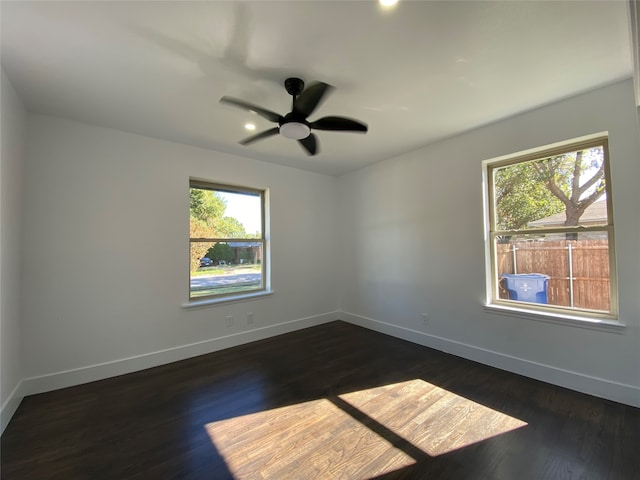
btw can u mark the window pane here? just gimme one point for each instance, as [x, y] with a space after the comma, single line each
[246, 210]
[225, 214]
[225, 268]
[542, 193]
[568, 270]
[234, 217]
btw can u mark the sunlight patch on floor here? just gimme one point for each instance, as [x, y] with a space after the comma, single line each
[358, 435]
[429, 417]
[308, 440]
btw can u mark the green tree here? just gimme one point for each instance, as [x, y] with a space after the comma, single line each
[231, 227]
[206, 205]
[209, 207]
[576, 179]
[220, 251]
[521, 196]
[207, 220]
[529, 191]
[198, 229]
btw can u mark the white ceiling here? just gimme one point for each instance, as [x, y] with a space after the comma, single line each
[421, 72]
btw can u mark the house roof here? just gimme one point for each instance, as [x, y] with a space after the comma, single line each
[244, 244]
[595, 214]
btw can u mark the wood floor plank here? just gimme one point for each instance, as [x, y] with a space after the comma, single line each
[329, 402]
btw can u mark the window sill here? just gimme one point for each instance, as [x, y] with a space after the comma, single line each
[224, 300]
[603, 325]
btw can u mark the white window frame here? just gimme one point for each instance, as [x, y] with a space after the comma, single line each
[248, 294]
[545, 312]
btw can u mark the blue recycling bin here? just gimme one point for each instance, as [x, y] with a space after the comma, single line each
[526, 287]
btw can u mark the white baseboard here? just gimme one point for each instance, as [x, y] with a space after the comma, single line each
[10, 406]
[618, 392]
[69, 378]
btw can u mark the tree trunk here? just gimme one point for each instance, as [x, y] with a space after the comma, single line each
[573, 216]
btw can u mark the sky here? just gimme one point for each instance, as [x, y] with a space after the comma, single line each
[245, 208]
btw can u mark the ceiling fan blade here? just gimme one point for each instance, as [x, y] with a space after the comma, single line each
[310, 144]
[260, 136]
[308, 100]
[263, 112]
[338, 124]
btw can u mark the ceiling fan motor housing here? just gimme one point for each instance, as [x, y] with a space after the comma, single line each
[294, 86]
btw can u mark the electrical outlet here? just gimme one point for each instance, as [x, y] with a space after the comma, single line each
[230, 321]
[250, 318]
[425, 319]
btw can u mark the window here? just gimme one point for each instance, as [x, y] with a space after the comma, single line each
[227, 241]
[550, 242]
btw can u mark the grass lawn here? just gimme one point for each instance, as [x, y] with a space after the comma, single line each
[224, 290]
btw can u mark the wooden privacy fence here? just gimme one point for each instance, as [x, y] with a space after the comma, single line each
[578, 269]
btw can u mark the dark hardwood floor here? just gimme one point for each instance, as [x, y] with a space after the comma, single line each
[334, 401]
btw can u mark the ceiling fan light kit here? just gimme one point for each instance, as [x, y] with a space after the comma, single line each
[295, 130]
[294, 125]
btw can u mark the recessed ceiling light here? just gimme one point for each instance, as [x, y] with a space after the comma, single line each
[249, 126]
[387, 3]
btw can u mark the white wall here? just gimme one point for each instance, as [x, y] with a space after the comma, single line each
[412, 237]
[106, 253]
[104, 256]
[13, 119]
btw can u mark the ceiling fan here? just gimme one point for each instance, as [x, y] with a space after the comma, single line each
[294, 124]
